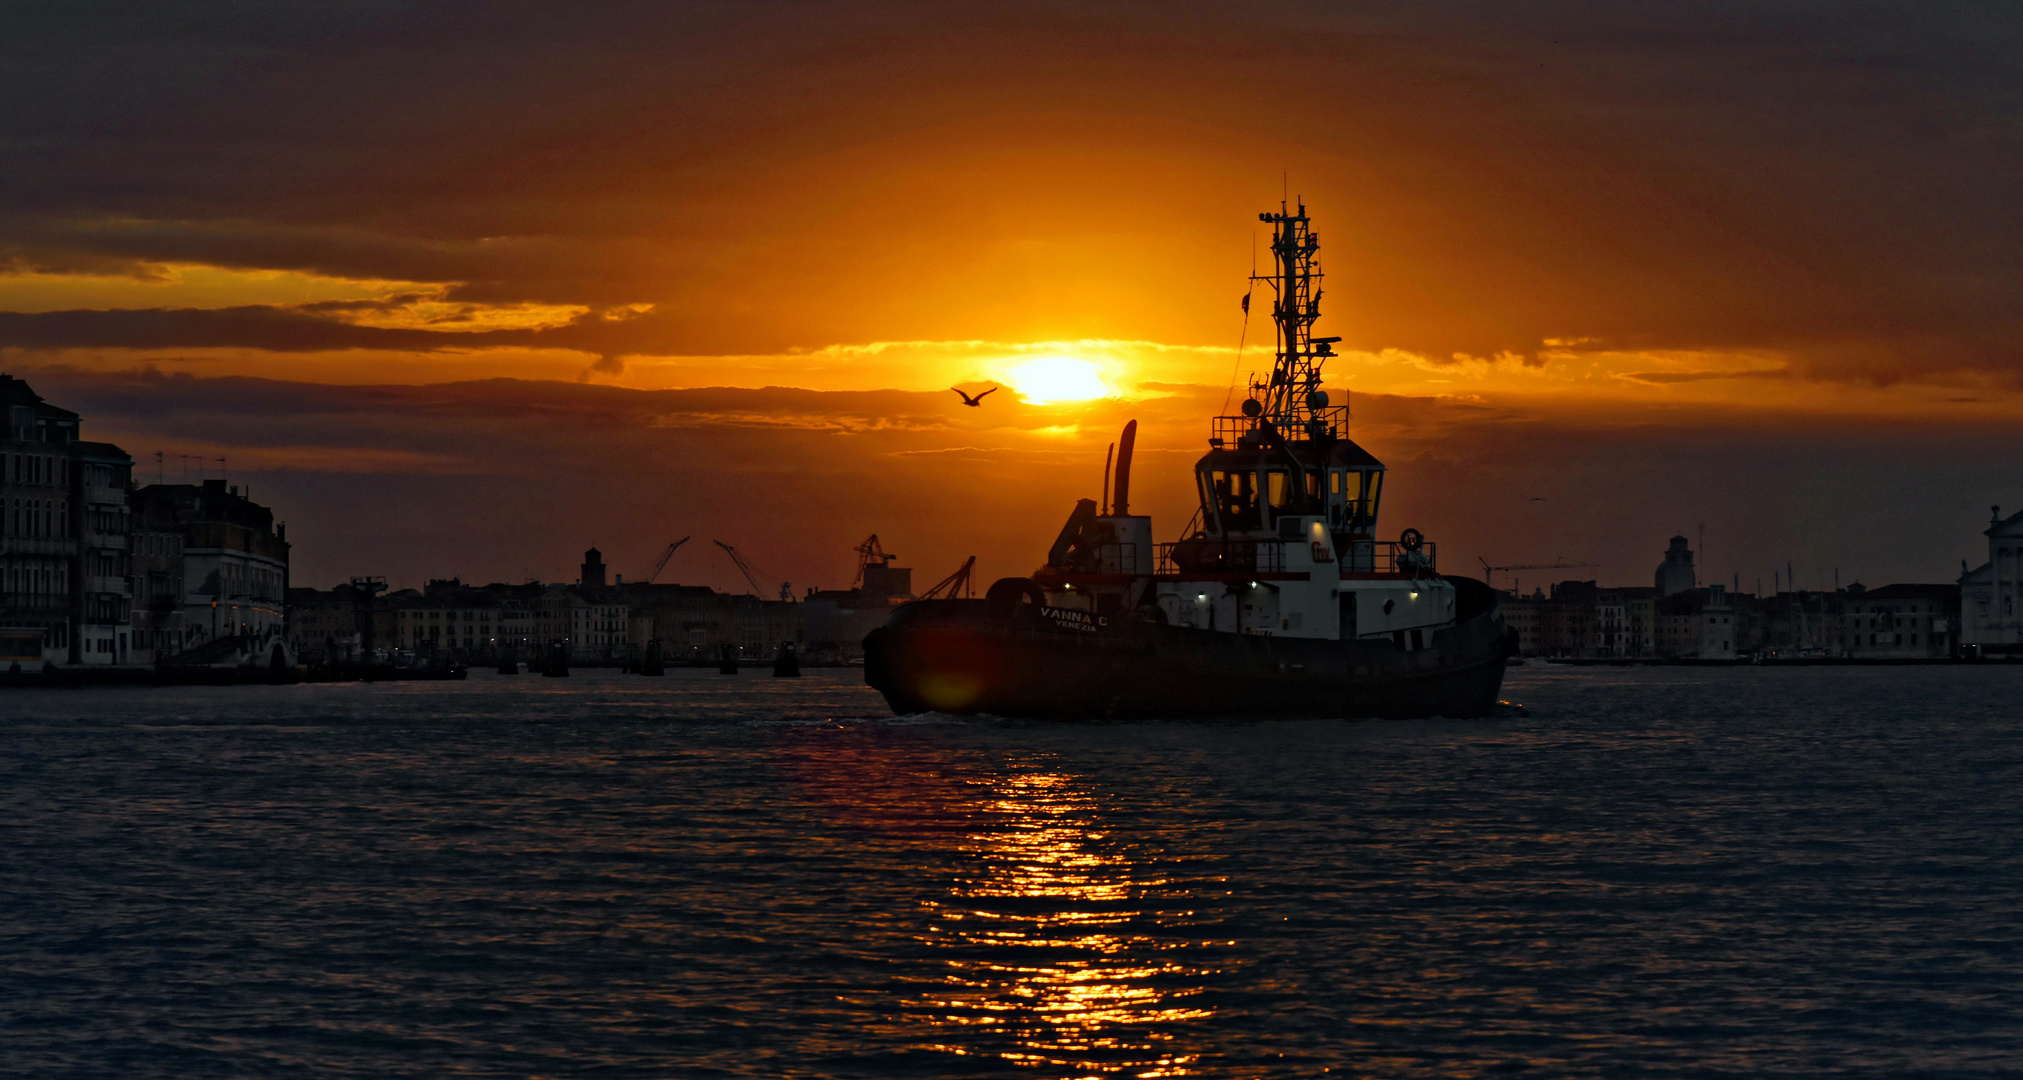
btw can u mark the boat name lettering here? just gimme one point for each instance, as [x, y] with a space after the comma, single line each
[1070, 619]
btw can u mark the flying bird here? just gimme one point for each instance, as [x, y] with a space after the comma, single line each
[973, 402]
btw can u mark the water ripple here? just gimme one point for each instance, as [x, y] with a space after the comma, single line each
[1664, 872]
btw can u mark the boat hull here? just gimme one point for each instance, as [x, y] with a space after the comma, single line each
[964, 657]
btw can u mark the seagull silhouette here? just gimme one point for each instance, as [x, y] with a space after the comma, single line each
[973, 402]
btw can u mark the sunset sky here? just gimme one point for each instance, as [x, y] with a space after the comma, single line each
[464, 290]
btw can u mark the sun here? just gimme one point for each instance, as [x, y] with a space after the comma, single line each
[1048, 379]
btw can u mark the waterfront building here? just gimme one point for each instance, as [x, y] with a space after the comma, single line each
[514, 623]
[1677, 626]
[325, 624]
[599, 627]
[687, 620]
[1991, 595]
[38, 551]
[102, 596]
[65, 583]
[1799, 625]
[553, 610]
[1521, 613]
[1902, 622]
[1624, 622]
[235, 563]
[449, 620]
[1569, 622]
[1719, 635]
[155, 571]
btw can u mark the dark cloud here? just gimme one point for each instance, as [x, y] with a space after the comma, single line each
[1838, 182]
[317, 328]
[274, 329]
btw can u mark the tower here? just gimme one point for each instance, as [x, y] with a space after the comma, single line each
[593, 568]
[1675, 574]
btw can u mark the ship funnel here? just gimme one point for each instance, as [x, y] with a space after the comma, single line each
[1122, 504]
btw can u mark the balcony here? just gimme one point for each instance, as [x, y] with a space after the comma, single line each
[38, 545]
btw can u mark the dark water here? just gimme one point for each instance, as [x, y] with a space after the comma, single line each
[1667, 872]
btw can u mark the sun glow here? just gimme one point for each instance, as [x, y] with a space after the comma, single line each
[1048, 379]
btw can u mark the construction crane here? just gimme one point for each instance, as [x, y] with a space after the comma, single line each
[750, 572]
[868, 552]
[661, 563]
[958, 585]
[1490, 571]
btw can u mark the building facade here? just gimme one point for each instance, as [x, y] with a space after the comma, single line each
[325, 624]
[101, 591]
[1800, 625]
[1991, 595]
[155, 574]
[600, 627]
[235, 562]
[1902, 622]
[1521, 613]
[65, 533]
[1625, 622]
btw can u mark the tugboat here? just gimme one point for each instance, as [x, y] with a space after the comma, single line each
[1278, 600]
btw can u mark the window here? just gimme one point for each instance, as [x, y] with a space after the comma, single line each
[1233, 495]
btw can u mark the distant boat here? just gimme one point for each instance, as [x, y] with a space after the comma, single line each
[1281, 602]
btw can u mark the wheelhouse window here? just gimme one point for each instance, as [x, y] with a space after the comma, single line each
[1353, 506]
[1232, 500]
[1279, 488]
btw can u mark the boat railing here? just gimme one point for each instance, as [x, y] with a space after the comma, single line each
[1228, 432]
[1223, 555]
[1390, 557]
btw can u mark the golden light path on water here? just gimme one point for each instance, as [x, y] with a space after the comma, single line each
[1049, 947]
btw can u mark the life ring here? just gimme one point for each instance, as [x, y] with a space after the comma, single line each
[1410, 539]
[1001, 602]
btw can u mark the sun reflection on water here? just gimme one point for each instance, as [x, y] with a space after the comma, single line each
[1064, 953]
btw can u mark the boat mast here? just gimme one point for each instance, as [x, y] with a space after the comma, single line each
[1291, 400]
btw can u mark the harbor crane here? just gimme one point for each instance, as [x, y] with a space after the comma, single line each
[958, 585]
[1489, 577]
[869, 552]
[661, 563]
[750, 572]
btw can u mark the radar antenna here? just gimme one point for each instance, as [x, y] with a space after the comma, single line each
[1291, 400]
